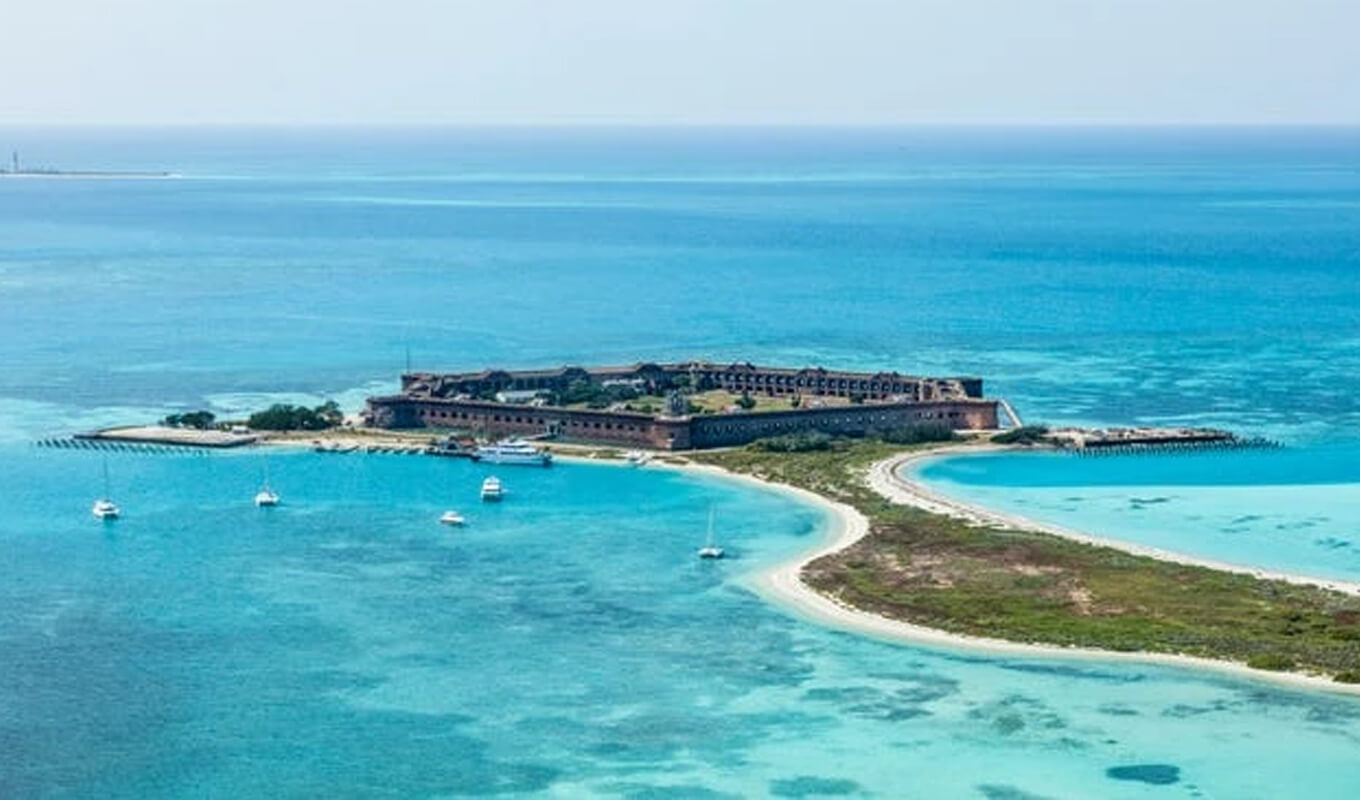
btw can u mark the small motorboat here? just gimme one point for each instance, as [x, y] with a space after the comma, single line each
[452, 518]
[492, 490]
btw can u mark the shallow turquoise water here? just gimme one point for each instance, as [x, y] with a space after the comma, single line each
[568, 643]
[565, 641]
[1295, 511]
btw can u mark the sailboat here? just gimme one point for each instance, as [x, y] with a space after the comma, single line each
[105, 508]
[266, 496]
[710, 550]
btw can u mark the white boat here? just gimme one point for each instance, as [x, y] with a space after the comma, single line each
[105, 508]
[452, 518]
[710, 550]
[266, 496]
[492, 490]
[637, 458]
[513, 451]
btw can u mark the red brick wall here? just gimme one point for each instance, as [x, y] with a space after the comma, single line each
[642, 430]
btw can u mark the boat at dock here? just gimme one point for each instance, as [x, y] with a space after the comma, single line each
[513, 451]
[492, 489]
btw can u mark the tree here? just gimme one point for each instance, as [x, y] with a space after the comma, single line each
[284, 417]
[746, 402]
[201, 420]
[330, 412]
[796, 401]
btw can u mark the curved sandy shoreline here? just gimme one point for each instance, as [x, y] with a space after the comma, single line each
[886, 478]
[783, 585]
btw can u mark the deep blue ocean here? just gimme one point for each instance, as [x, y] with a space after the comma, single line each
[567, 643]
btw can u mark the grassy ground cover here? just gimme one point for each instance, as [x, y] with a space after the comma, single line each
[1025, 586]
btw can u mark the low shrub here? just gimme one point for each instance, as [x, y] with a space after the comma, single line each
[1025, 434]
[1275, 662]
[792, 443]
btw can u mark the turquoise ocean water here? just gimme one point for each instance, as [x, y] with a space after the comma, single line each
[567, 642]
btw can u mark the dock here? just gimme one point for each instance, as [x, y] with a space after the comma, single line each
[171, 437]
[1112, 441]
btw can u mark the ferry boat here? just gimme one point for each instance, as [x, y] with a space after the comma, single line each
[452, 518]
[513, 451]
[492, 490]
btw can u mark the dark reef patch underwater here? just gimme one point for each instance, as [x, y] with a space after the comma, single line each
[1156, 774]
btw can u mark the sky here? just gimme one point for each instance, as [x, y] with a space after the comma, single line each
[795, 62]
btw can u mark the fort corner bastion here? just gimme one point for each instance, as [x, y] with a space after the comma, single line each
[679, 406]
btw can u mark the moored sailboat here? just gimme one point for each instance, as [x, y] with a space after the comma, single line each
[104, 508]
[710, 550]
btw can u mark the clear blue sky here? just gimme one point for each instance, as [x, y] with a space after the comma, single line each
[680, 61]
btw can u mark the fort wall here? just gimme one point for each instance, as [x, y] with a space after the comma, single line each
[736, 378]
[634, 429]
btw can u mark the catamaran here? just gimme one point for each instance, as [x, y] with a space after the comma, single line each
[710, 550]
[266, 496]
[492, 490]
[105, 508]
[513, 451]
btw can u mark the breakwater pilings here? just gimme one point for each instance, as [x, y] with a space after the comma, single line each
[114, 446]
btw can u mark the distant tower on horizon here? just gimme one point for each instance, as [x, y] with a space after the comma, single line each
[14, 158]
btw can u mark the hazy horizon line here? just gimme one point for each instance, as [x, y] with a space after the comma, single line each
[624, 125]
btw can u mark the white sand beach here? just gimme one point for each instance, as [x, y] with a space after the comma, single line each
[784, 586]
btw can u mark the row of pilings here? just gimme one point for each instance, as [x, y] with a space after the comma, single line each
[114, 446]
[1172, 447]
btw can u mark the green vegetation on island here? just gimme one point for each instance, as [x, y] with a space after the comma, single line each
[199, 420]
[1025, 434]
[285, 417]
[1031, 587]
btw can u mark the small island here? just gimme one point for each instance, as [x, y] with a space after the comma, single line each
[16, 169]
[904, 563]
